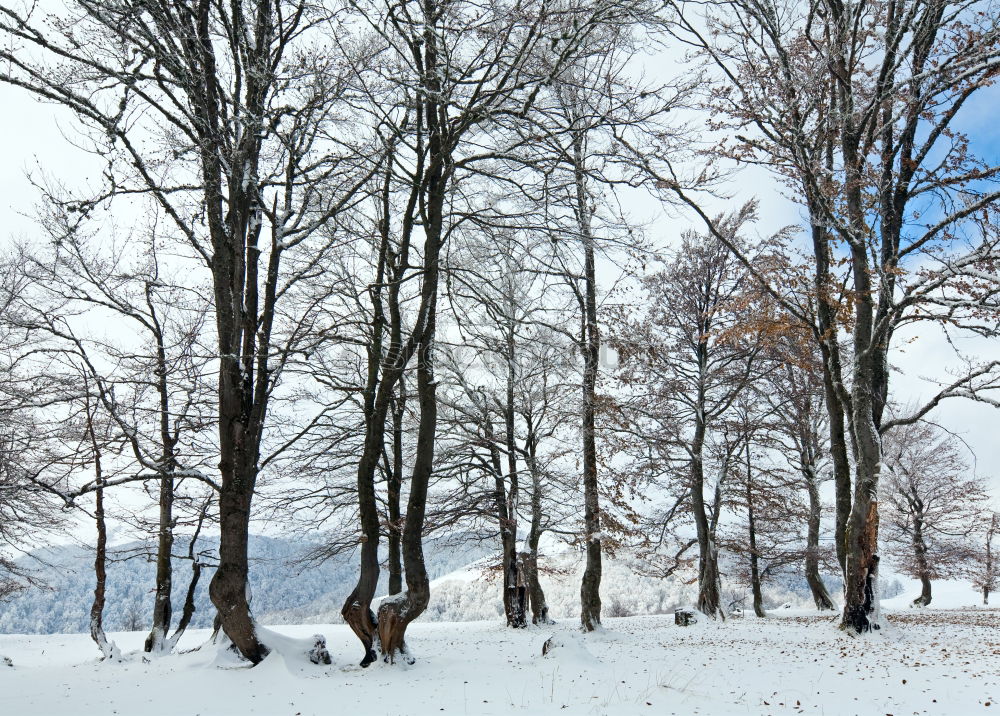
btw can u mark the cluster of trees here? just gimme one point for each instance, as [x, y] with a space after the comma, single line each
[354, 265]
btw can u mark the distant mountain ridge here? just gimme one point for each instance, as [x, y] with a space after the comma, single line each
[283, 591]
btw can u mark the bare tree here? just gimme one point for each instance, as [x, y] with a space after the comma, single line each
[591, 103]
[457, 69]
[857, 100]
[157, 391]
[798, 430]
[245, 166]
[685, 361]
[985, 572]
[932, 505]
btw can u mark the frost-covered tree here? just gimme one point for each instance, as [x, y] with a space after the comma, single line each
[685, 361]
[933, 504]
[223, 117]
[986, 569]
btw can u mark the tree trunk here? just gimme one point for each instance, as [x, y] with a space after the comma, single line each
[229, 586]
[100, 573]
[395, 615]
[920, 557]
[157, 639]
[188, 610]
[867, 398]
[590, 587]
[101, 551]
[758, 597]
[821, 596]
[539, 609]
[515, 594]
[708, 565]
[395, 487]
[357, 608]
[833, 382]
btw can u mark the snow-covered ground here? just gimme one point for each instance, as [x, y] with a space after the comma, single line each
[928, 662]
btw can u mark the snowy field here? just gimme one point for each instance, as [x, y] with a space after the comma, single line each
[928, 662]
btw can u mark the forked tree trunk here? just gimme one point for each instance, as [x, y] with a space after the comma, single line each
[385, 371]
[396, 614]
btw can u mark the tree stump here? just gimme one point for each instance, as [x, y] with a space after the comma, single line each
[319, 654]
[685, 617]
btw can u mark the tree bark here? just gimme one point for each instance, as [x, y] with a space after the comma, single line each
[157, 639]
[395, 486]
[590, 587]
[708, 565]
[514, 580]
[100, 574]
[536, 595]
[821, 596]
[758, 597]
[395, 615]
[101, 548]
[833, 383]
[920, 557]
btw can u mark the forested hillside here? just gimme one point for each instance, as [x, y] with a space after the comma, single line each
[284, 591]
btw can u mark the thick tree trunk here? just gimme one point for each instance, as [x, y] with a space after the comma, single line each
[357, 608]
[925, 591]
[833, 387]
[920, 557]
[229, 586]
[869, 374]
[820, 595]
[396, 614]
[709, 599]
[861, 578]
